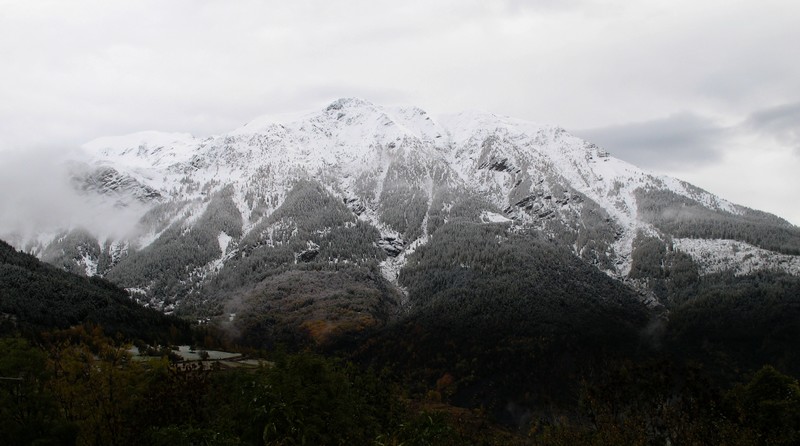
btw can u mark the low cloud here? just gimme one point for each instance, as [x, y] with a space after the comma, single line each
[36, 197]
[662, 144]
[781, 123]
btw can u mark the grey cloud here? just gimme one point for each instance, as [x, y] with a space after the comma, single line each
[781, 123]
[679, 140]
[311, 98]
[322, 94]
[550, 6]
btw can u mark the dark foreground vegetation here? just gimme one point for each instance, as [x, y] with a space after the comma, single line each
[78, 386]
[542, 361]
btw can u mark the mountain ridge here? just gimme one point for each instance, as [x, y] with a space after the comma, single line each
[403, 174]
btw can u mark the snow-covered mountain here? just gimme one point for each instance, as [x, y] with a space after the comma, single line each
[363, 185]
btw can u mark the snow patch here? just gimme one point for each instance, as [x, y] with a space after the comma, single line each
[224, 240]
[492, 217]
[89, 264]
[718, 255]
[143, 149]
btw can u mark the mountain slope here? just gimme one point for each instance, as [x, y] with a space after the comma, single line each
[39, 296]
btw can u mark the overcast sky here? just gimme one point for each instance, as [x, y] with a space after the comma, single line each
[708, 91]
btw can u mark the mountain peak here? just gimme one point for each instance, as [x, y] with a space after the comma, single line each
[351, 102]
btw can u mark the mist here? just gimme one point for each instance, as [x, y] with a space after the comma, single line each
[37, 199]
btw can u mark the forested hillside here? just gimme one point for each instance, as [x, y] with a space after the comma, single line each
[684, 217]
[35, 296]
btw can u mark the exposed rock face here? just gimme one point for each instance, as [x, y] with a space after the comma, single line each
[308, 255]
[355, 205]
[108, 181]
[391, 245]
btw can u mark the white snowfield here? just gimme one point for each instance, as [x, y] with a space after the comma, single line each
[349, 148]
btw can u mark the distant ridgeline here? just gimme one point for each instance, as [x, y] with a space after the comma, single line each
[683, 217]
